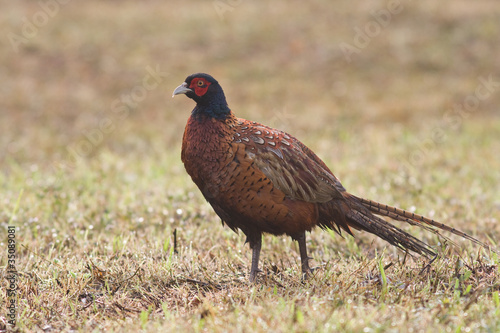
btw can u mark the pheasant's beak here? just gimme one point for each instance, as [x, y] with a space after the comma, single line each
[182, 89]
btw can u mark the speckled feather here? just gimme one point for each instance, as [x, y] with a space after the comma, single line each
[222, 160]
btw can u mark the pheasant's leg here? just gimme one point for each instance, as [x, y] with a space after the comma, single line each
[303, 255]
[255, 246]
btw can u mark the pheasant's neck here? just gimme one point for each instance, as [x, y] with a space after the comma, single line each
[216, 108]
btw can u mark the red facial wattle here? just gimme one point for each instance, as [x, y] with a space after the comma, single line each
[200, 86]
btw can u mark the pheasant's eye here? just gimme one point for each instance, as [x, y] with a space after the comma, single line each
[201, 83]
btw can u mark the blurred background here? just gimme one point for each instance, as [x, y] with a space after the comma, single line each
[391, 94]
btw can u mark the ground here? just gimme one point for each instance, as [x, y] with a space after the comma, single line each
[400, 98]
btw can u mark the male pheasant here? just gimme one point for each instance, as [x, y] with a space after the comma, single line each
[262, 180]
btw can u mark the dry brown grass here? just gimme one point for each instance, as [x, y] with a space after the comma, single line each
[94, 232]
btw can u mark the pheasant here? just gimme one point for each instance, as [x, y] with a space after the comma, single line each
[261, 180]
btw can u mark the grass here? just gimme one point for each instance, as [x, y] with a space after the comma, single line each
[94, 231]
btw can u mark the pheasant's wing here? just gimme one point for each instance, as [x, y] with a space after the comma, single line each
[290, 165]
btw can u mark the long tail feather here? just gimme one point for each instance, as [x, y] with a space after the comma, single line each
[415, 219]
[388, 232]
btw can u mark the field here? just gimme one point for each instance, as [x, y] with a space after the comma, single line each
[401, 99]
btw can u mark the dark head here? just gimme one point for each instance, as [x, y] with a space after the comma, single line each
[207, 93]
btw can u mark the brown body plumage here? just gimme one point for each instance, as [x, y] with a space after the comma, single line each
[262, 180]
